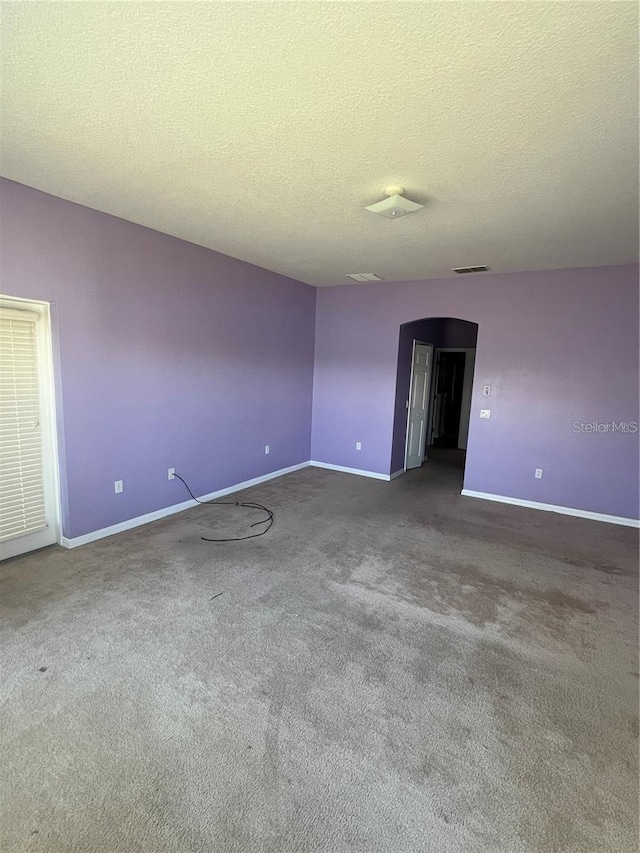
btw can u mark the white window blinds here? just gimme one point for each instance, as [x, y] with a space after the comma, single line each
[22, 508]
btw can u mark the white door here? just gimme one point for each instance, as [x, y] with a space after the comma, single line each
[28, 481]
[418, 404]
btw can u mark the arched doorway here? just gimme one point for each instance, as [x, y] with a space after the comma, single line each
[436, 360]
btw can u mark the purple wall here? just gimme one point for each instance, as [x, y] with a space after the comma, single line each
[168, 355]
[556, 347]
[441, 332]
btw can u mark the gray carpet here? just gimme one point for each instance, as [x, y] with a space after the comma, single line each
[393, 668]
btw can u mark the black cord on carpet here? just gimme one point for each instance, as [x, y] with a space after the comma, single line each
[268, 521]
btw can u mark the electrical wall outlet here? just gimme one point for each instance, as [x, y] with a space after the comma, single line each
[267, 449]
[358, 445]
[171, 474]
[118, 486]
[485, 413]
[538, 473]
[486, 390]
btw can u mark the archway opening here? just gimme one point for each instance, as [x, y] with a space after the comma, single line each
[434, 382]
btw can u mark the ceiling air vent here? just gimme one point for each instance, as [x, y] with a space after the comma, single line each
[364, 276]
[463, 270]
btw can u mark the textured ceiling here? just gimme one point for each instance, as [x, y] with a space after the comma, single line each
[261, 129]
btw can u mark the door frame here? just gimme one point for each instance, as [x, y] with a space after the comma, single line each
[467, 390]
[408, 401]
[46, 389]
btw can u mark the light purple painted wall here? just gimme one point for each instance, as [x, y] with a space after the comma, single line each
[168, 354]
[555, 347]
[441, 332]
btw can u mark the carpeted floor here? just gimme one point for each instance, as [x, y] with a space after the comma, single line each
[393, 668]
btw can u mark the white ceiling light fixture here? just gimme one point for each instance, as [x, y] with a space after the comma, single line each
[395, 205]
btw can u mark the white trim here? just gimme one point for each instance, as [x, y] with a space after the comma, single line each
[171, 510]
[49, 406]
[361, 472]
[397, 473]
[563, 510]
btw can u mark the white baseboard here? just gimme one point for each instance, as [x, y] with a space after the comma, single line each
[563, 510]
[171, 510]
[397, 473]
[360, 471]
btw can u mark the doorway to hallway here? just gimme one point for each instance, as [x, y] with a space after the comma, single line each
[436, 361]
[447, 399]
[451, 399]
